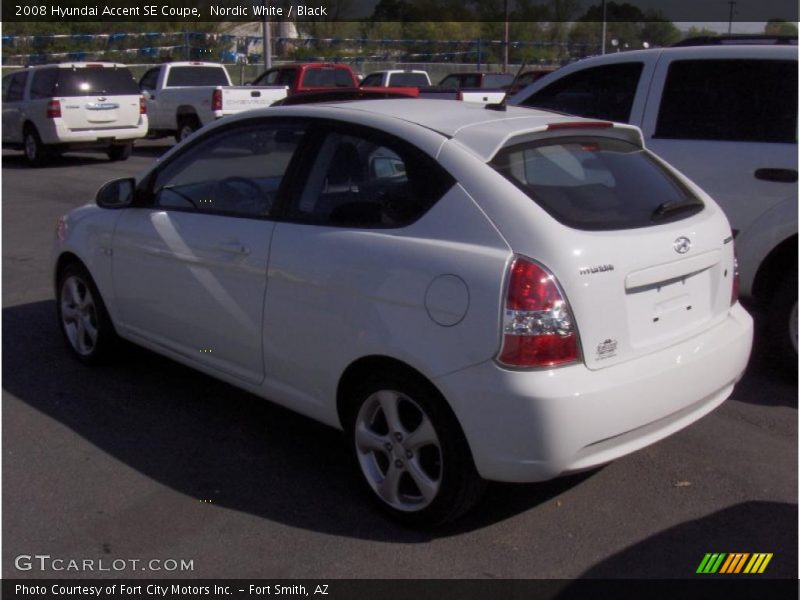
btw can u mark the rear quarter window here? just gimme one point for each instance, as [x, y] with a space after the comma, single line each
[596, 184]
[605, 92]
[497, 81]
[730, 100]
[44, 83]
[91, 81]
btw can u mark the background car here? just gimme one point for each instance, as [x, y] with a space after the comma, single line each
[397, 78]
[454, 287]
[726, 116]
[50, 109]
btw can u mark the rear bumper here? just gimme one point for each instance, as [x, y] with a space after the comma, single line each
[535, 425]
[55, 132]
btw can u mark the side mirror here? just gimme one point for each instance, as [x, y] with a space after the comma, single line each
[117, 193]
[148, 94]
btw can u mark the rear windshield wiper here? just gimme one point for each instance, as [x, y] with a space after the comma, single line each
[673, 206]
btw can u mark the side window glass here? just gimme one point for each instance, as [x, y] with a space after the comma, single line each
[43, 84]
[361, 181]
[450, 82]
[149, 80]
[374, 80]
[730, 100]
[6, 84]
[286, 77]
[234, 172]
[16, 86]
[605, 92]
[270, 78]
[471, 81]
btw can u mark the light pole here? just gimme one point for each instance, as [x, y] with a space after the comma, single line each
[603, 35]
[266, 38]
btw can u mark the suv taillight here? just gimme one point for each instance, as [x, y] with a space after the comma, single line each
[538, 330]
[142, 106]
[216, 100]
[53, 109]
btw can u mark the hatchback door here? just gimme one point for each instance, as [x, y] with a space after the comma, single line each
[643, 260]
[98, 97]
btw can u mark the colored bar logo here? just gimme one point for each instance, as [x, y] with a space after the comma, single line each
[734, 563]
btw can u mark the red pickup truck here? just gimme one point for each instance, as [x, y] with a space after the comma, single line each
[305, 77]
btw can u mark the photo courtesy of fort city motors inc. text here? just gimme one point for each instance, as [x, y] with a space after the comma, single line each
[399, 299]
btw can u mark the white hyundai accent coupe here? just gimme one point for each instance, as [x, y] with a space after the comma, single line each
[471, 294]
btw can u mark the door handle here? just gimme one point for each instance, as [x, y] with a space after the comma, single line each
[779, 175]
[233, 248]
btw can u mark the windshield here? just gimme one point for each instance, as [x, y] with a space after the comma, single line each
[596, 183]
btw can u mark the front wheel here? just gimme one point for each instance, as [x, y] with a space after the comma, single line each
[412, 453]
[83, 317]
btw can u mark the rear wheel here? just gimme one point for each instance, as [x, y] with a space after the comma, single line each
[120, 152]
[783, 320]
[186, 127]
[35, 150]
[411, 452]
[83, 317]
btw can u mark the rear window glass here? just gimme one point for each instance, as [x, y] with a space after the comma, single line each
[196, 75]
[328, 78]
[91, 81]
[408, 80]
[596, 183]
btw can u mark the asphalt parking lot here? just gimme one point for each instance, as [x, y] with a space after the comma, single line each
[147, 459]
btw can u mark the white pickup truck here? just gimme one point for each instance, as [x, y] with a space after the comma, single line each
[182, 97]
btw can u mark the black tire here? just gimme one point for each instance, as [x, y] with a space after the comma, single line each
[36, 152]
[77, 335]
[120, 152]
[783, 321]
[186, 126]
[448, 463]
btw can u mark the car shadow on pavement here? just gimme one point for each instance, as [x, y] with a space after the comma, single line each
[752, 527]
[12, 161]
[767, 374]
[206, 439]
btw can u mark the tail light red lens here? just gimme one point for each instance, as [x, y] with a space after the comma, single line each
[216, 100]
[53, 109]
[142, 106]
[538, 329]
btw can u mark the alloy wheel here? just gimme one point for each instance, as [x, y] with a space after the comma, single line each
[79, 315]
[398, 450]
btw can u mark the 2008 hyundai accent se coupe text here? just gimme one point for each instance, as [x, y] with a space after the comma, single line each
[471, 294]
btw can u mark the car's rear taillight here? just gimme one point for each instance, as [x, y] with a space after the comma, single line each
[142, 106]
[216, 100]
[53, 109]
[538, 329]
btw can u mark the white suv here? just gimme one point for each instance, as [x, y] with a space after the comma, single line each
[726, 116]
[52, 108]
